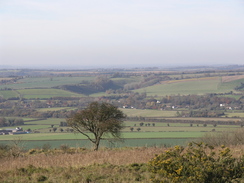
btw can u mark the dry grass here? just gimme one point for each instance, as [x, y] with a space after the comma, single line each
[237, 151]
[125, 165]
[89, 157]
[86, 158]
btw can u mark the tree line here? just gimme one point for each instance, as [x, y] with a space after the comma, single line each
[11, 122]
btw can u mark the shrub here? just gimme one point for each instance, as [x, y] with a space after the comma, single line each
[4, 150]
[32, 151]
[46, 147]
[17, 147]
[14, 149]
[65, 148]
[198, 162]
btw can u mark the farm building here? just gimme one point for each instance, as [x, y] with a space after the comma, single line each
[12, 131]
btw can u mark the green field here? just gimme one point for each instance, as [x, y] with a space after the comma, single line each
[46, 82]
[36, 127]
[99, 94]
[60, 136]
[185, 87]
[43, 136]
[49, 121]
[234, 114]
[56, 122]
[25, 119]
[172, 87]
[104, 143]
[231, 84]
[8, 94]
[160, 134]
[174, 130]
[41, 88]
[207, 119]
[163, 134]
[159, 127]
[55, 109]
[46, 93]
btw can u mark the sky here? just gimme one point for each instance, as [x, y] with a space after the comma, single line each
[110, 33]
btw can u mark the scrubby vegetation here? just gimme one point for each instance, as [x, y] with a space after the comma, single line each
[67, 164]
[196, 163]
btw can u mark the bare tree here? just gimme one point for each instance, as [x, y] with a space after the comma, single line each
[98, 119]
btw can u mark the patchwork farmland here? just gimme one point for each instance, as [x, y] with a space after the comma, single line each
[158, 104]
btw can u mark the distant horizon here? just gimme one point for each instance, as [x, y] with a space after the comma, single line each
[80, 67]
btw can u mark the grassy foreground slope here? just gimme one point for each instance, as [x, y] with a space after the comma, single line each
[104, 166]
[127, 165]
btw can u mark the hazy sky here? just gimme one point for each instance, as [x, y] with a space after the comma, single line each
[125, 32]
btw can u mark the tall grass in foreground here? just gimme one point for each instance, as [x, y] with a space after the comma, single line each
[194, 163]
[79, 165]
[73, 157]
[124, 165]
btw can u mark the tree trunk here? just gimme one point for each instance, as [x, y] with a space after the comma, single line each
[96, 144]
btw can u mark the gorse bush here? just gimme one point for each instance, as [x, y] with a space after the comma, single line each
[198, 162]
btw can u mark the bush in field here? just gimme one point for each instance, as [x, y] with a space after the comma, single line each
[197, 163]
